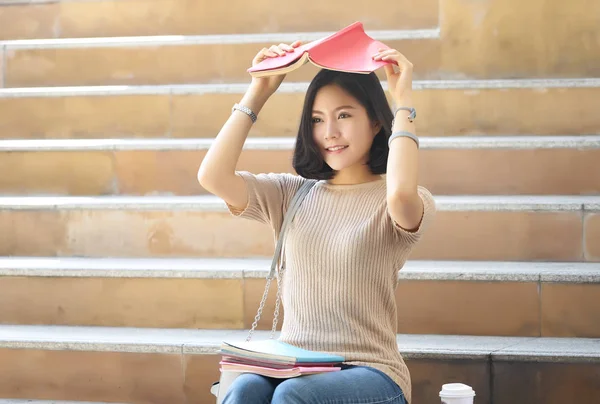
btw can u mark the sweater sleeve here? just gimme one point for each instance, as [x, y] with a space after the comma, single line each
[429, 210]
[268, 197]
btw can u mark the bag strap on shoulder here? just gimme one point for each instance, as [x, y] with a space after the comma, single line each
[292, 209]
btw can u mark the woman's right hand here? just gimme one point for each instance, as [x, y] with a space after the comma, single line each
[269, 84]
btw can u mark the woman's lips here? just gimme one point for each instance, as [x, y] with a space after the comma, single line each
[336, 151]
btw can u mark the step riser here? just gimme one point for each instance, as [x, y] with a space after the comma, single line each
[102, 376]
[170, 64]
[154, 303]
[182, 378]
[28, 21]
[441, 112]
[443, 172]
[547, 236]
[533, 310]
[500, 45]
[556, 383]
[488, 39]
[592, 236]
[71, 19]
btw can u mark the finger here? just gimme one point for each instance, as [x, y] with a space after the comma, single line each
[259, 56]
[295, 44]
[277, 50]
[389, 72]
[400, 58]
[390, 58]
[388, 52]
[268, 53]
[396, 58]
[380, 55]
[286, 48]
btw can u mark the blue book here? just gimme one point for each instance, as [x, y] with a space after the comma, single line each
[273, 351]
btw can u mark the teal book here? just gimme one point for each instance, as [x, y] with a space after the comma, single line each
[273, 351]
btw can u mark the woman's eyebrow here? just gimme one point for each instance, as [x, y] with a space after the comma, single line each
[337, 109]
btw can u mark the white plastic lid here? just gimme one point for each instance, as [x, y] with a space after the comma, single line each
[457, 390]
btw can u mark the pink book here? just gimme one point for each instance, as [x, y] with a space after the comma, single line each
[294, 371]
[348, 50]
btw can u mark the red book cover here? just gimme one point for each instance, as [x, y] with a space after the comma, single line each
[349, 50]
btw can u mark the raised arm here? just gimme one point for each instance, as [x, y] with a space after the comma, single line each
[405, 205]
[217, 171]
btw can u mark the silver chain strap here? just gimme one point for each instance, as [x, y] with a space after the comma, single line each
[277, 303]
[278, 266]
[262, 306]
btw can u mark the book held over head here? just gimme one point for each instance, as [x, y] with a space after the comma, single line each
[348, 50]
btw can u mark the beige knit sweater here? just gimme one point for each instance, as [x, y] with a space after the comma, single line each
[342, 252]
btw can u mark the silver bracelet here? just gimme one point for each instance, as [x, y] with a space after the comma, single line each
[411, 117]
[245, 110]
[403, 134]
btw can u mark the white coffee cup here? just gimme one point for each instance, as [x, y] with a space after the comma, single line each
[457, 393]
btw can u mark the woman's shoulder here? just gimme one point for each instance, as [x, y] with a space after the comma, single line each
[279, 179]
[284, 185]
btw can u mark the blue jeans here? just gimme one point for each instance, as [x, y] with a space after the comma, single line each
[351, 385]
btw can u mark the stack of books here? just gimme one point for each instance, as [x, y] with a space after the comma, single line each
[276, 359]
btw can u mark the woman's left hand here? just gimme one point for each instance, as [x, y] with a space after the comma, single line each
[399, 83]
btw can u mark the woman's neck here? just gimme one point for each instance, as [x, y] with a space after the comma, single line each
[351, 176]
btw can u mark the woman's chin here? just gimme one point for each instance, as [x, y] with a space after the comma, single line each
[335, 165]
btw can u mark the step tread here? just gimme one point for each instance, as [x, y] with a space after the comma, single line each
[25, 401]
[152, 340]
[287, 143]
[237, 268]
[211, 203]
[220, 39]
[286, 87]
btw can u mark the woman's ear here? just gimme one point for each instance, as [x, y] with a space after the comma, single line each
[376, 127]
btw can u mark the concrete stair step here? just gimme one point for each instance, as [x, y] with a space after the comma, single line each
[501, 45]
[68, 19]
[156, 366]
[514, 228]
[179, 59]
[484, 165]
[25, 401]
[547, 299]
[445, 107]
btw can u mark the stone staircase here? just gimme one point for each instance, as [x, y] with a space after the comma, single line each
[120, 275]
[25, 401]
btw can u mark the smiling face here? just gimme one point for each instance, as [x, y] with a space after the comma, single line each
[345, 109]
[338, 119]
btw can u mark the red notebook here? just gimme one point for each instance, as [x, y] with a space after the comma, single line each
[348, 50]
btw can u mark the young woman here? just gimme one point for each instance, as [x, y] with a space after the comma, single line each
[351, 235]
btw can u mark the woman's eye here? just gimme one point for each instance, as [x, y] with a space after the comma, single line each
[343, 114]
[315, 119]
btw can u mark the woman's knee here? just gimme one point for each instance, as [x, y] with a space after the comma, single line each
[249, 388]
[290, 392]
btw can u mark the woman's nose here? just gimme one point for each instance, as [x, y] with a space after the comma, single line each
[332, 131]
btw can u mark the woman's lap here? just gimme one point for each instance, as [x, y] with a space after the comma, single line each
[352, 385]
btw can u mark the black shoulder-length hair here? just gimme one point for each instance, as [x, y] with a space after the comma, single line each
[308, 161]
